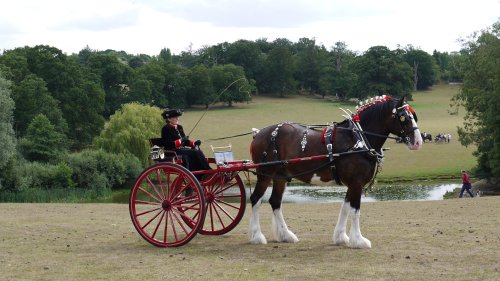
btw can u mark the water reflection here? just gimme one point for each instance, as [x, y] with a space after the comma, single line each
[326, 194]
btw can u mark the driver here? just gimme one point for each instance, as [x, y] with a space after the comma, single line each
[174, 138]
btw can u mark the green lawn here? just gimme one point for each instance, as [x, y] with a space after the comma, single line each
[432, 107]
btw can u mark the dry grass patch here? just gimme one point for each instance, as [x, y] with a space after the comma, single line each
[435, 240]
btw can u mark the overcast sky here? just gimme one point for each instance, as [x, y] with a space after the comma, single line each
[147, 26]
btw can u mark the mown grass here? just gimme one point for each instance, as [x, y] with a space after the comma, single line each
[431, 162]
[450, 240]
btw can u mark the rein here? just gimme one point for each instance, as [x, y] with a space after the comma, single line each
[310, 126]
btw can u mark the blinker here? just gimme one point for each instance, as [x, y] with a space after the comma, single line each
[402, 118]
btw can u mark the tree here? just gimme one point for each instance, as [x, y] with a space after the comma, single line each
[480, 95]
[308, 64]
[279, 71]
[155, 73]
[7, 137]
[230, 84]
[337, 77]
[32, 98]
[129, 129]
[382, 72]
[201, 91]
[177, 85]
[42, 142]
[423, 67]
[113, 75]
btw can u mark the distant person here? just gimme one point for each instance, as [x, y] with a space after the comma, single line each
[466, 186]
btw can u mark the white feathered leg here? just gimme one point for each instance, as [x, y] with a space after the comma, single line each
[356, 239]
[254, 233]
[280, 229]
[339, 234]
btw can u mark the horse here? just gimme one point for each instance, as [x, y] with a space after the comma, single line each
[355, 154]
[426, 136]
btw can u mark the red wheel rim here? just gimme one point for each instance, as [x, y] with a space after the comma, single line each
[225, 204]
[167, 205]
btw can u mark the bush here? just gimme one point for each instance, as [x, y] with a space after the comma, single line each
[35, 175]
[99, 170]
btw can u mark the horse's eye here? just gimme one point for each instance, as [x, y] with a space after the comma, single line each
[402, 118]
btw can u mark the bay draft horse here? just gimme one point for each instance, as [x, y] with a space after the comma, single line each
[377, 119]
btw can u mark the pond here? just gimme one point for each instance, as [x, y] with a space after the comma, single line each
[326, 194]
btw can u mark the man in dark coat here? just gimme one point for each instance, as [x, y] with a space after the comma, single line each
[174, 138]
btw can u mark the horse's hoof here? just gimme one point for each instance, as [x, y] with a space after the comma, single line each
[341, 240]
[289, 238]
[360, 243]
[258, 239]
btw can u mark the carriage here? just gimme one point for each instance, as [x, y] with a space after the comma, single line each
[169, 204]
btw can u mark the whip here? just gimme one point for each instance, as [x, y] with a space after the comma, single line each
[216, 99]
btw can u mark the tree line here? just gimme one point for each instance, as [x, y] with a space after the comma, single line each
[53, 105]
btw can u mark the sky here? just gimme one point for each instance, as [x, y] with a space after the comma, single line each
[147, 26]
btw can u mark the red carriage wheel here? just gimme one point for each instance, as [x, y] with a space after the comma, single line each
[225, 203]
[167, 205]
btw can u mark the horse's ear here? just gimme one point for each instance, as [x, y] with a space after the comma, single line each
[401, 102]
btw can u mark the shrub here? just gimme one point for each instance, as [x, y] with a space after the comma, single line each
[35, 175]
[97, 169]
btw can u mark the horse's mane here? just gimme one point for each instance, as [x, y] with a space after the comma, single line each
[372, 108]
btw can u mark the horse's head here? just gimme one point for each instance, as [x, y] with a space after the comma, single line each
[404, 125]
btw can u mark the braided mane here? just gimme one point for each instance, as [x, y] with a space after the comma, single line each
[369, 103]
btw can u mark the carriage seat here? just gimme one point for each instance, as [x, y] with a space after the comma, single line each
[222, 154]
[158, 154]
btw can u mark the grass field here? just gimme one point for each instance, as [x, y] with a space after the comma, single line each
[432, 107]
[449, 240]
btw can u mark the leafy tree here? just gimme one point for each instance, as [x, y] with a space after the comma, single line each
[32, 98]
[129, 129]
[42, 141]
[201, 91]
[165, 56]
[84, 112]
[17, 64]
[337, 77]
[308, 64]
[248, 55]
[480, 95]
[279, 71]
[423, 66]
[7, 137]
[381, 71]
[230, 84]
[155, 73]
[113, 76]
[177, 85]
[213, 55]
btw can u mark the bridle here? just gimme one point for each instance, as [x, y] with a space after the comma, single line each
[404, 115]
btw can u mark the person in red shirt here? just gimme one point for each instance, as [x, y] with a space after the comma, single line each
[466, 186]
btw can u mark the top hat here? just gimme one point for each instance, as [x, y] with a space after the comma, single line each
[169, 113]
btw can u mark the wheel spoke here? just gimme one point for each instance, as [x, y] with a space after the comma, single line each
[158, 177]
[216, 203]
[149, 194]
[158, 225]
[147, 202]
[154, 217]
[153, 186]
[147, 212]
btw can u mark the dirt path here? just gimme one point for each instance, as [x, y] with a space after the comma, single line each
[433, 240]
